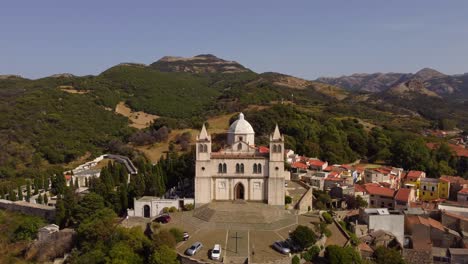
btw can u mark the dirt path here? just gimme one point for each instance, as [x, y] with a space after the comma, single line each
[138, 119]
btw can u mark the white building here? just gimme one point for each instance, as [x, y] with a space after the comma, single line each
[151, 206]
[240, 171]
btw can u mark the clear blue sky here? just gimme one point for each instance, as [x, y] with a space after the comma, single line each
[302, 38]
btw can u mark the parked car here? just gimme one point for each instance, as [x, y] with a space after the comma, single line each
[282, 247]
[186, 236]
[293, 246]
[216, 252]
[193, 249]
[163, 219]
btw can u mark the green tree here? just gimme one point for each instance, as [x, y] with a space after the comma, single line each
[164, 237]
[87, 206]
[27, 229]
[12, 195]
[164, 255]
[385, 255]
[303, 236]
[20, 194]
[337, 255]
[28, 191]
[311, 253]
[39, 199]
[177, 233]
[121, 253]
[295, 260]
[46, 199]
[98, 227]
[60, 213]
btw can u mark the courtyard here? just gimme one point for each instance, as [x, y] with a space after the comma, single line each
[235, 228]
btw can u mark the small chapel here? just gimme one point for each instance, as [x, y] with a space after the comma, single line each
[241, 170]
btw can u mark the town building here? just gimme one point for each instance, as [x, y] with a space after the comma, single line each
[240, 171]
[462, 196]
[431, 189]
[151, 206]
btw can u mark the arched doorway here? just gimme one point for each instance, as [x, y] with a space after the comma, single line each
[146, 211]
[239, 192]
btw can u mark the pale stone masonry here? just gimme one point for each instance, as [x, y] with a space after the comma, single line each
[240, 171]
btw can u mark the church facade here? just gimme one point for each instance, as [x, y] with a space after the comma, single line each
[241, 171]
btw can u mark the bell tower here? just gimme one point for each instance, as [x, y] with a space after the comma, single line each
[203, 182]
[276, 169]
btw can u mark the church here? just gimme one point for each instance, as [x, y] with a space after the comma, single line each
[240, 171]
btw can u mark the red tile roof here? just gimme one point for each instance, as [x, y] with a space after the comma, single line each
[263, 149]
[403, 194]
[460, 151]
[454, 179]
[463, 191]
[413, 175]
[428, 222]
[345, 166]
[364, 247]
[359, 188]
[382, 191]
[329, 168]
[299, 165]
[315, 162]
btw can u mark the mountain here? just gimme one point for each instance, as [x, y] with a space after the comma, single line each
[204, 63]
[408, 89]
[454, 86]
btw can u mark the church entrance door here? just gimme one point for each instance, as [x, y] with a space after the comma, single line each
[146, 211]
[239, 191]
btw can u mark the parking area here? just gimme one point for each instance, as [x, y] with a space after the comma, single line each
[252, 239]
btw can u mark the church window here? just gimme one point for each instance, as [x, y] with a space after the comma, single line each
[202, 168]
[220, 168]
[241, 138]
[432, 188]
[239, 146]
[242, 168]
[237, 168]
[424, 187]
[276, 168]
[224, 168]
[259, 168]
[279, 148]
[255, 169]
[275, 149]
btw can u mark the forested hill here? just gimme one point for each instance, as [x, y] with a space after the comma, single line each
[58, 119]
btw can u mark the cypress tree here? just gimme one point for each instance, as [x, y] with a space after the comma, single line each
[123, 195]
[46, 199]
[20, 194]
[11, 195]
[36, 186]
[76, 183]
[39, 199]
[60, 212]
[28, 191]
[86, 182]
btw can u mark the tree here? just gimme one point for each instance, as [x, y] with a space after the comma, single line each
[46, 199]
[327, 217]
[28, 191]
[164, 255]
[303, 236]
[295, 260]
[27, 229]
[385, 255]
[76, 183]
[177, 233]
[287, 199]
[20, 194]
[87, 206]
[60, 213]
[12, 195]
[311, 254]
[121, 252]
[39, 199]
[97, 227]
[164, 237]
[337, 255]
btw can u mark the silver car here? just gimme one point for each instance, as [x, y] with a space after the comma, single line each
[193, 249]
[282, 247]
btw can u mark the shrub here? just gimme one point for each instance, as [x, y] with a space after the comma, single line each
[177, 233]
[287, 199]
[172, 209]
[166, 210]
[296, 260]
[311, 254]
[188, 207]
[327, 217]
[303, 236]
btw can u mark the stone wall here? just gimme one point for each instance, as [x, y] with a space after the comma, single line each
[305, 203]
[39, 210]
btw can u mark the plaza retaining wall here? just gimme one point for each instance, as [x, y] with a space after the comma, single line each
[44, 211]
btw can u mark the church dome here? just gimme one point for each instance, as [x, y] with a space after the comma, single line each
[241, 126]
